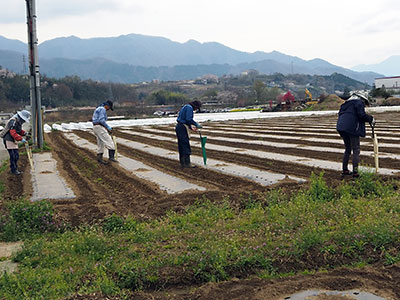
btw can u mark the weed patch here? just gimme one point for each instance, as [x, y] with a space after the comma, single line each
[24, 218]
[314, 228]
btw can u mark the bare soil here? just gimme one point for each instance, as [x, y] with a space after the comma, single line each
[377, 280]
[104, 190]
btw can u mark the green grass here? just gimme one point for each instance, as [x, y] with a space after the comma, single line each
[24, 219]
[45, 147]
[3, 168]
[313, 229]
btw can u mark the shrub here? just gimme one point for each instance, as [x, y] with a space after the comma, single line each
[319, 190]
[115, 223]
[25, 218]
[367, 185]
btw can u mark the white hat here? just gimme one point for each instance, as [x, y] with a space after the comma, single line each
[24, 115]
[361, 94]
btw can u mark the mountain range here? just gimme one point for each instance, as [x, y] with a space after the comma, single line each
[389, 67]
[135, 58]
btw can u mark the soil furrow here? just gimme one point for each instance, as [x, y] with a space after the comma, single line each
[251, 161]
[196, 175]
[101, 190]
[314, 154]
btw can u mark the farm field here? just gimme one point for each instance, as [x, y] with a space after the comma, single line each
[245, 158]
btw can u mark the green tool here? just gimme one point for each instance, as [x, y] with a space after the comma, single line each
[203, 147]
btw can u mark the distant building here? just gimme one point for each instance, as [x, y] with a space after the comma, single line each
[250, 72]
[389, 83]
[4, 73]
[4, 117]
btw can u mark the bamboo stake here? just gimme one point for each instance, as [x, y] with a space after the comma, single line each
[376, 149]
[29, 154]
[115, 146]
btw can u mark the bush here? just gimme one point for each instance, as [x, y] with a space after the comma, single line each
[115, 223]
[367, 185]
[319, 190]
[25, 218]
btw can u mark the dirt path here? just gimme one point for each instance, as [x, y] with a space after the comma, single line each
[378, 281]
[3, 152]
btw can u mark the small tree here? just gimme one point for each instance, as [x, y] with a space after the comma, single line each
[380, 92]
[259, 87]
[346, 93]
[288, 97]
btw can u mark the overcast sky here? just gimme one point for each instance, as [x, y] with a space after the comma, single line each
[343, 32]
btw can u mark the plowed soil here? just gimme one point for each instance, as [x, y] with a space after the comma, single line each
[103, 190]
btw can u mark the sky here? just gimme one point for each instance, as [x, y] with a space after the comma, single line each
[342, 32]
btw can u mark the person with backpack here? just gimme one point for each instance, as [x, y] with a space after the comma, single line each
[185, 124]
[351, 126]
[102, 132]
[12, 134]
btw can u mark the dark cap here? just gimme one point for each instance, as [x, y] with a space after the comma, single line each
[110, 104]
[196, 104]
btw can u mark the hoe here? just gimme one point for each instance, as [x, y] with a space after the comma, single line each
[115, 146]
[29, 154]
[376, 149]
[203, 147]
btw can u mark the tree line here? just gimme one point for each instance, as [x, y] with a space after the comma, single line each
[240, 90]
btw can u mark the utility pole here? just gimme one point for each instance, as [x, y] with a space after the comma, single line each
[36, 102]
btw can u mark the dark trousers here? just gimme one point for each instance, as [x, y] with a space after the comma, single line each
[351, 144]
[183, 140]
[14, 156]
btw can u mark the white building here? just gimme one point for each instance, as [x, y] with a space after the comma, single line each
[390, 83]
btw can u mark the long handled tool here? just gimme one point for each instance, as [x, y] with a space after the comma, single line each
[203, 141]
[115, 146]
[376, 149]
[29, 154]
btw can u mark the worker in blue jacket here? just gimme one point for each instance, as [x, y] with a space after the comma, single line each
[351, 126]
[186, 124]
[102, 132]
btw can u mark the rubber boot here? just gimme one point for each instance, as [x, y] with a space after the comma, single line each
[111, 156]
[355, 173]
[182, 161]
[100, 159]
[187, 162]
[346, 173]
[16, 172]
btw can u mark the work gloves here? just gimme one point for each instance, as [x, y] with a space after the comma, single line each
[23, 141]
[373, 122]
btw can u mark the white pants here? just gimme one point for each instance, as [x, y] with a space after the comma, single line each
[103, 139]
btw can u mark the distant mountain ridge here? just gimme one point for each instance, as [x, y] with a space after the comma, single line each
[12, 45]
[148, 51]
[160, 58]
[389, 67]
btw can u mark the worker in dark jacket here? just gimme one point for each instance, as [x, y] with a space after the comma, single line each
[351, 126]
[186, 124]
[12, 134]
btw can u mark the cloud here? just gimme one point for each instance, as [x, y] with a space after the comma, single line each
[15, 12]
[380, 19]
[49, 9]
